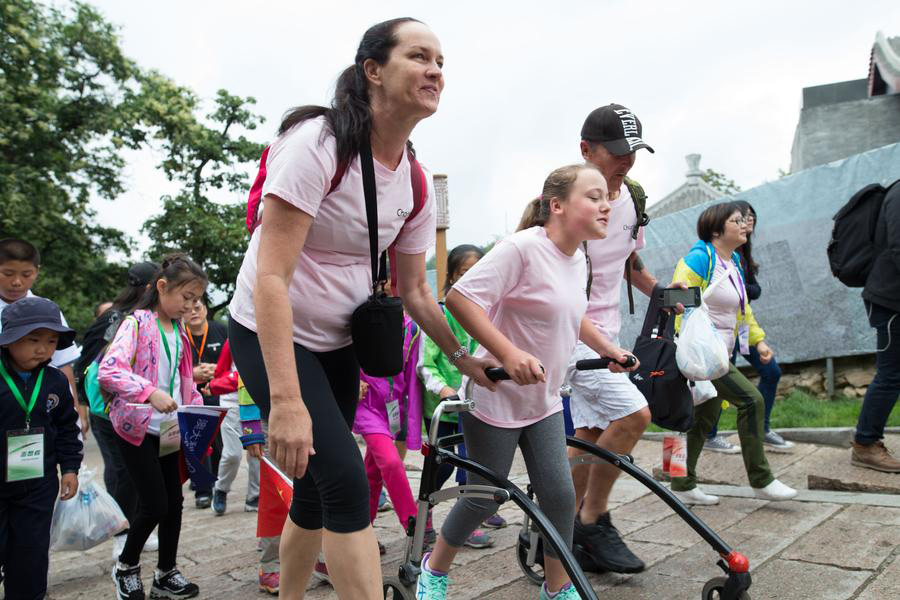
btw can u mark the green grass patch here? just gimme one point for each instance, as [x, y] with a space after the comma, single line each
[801, 409]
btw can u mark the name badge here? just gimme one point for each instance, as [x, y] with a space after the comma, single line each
[169, 437]
[393, 412]
[24, 454]
[744, 339]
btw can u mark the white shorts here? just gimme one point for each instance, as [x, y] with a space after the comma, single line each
[600, 397]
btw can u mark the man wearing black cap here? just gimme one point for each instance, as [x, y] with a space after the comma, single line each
[607, 409]
[40, 435]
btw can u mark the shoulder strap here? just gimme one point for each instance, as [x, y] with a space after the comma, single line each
[590, 269]
[639, 199]
[253, 199]
[338, 176]
[419, 184]
[368, 175]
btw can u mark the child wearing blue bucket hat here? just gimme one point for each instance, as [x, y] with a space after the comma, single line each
[40, 434]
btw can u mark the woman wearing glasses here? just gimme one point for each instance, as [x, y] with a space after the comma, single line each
[722, 230]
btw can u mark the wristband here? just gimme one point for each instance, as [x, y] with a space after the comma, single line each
[458, 354]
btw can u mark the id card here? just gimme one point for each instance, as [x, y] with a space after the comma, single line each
[169, 437]
[744, 339]
[393, 412]
[24, 454]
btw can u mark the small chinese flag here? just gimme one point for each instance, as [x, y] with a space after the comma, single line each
[275, 493]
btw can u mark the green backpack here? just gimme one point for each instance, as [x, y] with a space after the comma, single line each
[639, 197]
[98, 399]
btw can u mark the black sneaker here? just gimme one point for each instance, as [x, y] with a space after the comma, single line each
[251, 504]
[602, 542]
[128, 583]
[203, 500]
[219, 502]
[173, 586]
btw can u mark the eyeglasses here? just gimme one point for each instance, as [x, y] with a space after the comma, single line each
[740, 221]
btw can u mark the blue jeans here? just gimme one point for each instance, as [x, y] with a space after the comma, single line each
[881, 396]
[769, 376]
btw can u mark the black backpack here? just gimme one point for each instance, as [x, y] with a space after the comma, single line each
[852, 250]
[658, 377]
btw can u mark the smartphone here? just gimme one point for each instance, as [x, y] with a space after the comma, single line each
[686, 297]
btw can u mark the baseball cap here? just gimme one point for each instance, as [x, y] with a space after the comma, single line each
[24, 316]
[616, 128]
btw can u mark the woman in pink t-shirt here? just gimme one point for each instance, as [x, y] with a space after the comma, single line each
[308, 267]
[525, 303]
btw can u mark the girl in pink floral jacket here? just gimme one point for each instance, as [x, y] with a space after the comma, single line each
[148, 363]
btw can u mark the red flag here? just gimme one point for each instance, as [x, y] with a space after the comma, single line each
[275, 494]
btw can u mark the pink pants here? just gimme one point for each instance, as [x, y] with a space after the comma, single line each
[384, 467]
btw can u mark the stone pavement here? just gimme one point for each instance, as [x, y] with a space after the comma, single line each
[825, 546]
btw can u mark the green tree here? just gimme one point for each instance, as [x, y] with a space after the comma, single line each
[201, 154]
[65, 116]
[720, 182]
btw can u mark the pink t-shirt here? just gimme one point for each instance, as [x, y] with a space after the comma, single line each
[332, 275]
[535, 295]
[724, 301]
[608, 264]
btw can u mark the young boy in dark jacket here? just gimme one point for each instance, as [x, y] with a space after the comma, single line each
[40, 431]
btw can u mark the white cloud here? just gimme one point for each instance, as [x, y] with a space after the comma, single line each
[720, 79]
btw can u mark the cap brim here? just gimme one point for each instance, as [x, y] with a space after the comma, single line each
[626, 146]
[14, 334]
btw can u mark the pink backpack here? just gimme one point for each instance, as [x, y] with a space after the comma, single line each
[417, 180]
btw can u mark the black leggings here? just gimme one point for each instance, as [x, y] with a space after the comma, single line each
[334, 493]
[157, 481]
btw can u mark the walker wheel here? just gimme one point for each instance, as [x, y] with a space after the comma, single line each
[713, 590]
[395, 590]
[534, 572]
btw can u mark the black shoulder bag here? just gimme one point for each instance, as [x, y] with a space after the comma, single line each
[658, 378]
[376, 325]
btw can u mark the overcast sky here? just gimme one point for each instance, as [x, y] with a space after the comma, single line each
[722, 79]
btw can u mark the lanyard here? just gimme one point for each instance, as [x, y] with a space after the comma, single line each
[15, 392]
[202, 341]
[739, 290]
[165, 342]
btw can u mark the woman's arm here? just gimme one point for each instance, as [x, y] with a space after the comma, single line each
[282, 236]
[413, 288]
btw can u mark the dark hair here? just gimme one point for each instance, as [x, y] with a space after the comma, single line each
[712, 221]
[131, 295]
[350, 115]
[746, 250]
[16, 249]
[557, 185]
[456, 258]
[178, 270]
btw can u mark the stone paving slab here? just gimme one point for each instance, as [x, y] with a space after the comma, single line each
[801, 550]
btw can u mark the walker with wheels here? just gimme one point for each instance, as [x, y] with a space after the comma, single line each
[439, 451]
[529, 553]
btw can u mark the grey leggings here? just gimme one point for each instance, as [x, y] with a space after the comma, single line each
[543, 446]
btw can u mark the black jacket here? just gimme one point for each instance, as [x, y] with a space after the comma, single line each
[883, 284]
[53, 410]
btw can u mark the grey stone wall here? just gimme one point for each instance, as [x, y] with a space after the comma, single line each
[829, 132]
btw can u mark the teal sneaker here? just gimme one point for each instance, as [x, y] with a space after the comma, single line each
[430, 586]
[568, 592]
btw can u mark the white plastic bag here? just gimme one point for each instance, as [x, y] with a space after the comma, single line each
[702, 391]
[88, 519]
[701, 354]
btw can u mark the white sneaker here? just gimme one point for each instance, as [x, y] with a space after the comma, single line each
[775, 491]
[118, 545]
[696, 496]
[152, 543]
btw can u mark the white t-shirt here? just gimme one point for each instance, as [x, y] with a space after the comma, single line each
[60, 358]
[608, 258]
[164, 378]
[724, 301]
[535, 295]
[332, 275]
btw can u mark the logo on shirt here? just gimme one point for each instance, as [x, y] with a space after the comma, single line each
[402, 213]
[52, 401]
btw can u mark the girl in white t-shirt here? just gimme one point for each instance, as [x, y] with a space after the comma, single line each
[525, 303]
